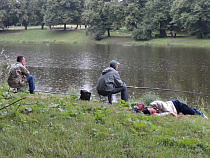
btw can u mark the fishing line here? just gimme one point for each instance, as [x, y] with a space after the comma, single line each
[166, 90]
[56, 93]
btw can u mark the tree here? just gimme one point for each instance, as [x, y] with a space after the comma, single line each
[102, 16]
[62, 12]
[92, 17]
[133, 16]
[25, 11]
[143, 31]
[158, 11]
[193, 15]
[8, 13]
[40, 12]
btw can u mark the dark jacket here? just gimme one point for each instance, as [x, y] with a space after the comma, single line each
[108, 81]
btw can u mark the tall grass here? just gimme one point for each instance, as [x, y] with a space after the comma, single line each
[63, 126]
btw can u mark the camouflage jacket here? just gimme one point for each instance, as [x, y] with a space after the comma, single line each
[17, 75]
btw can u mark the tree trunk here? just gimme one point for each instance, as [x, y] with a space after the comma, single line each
[42, 26]
[200, 35]
[85, 26]
[162, 30]
[64, 27]
[77, 26]
[162, 33]
[108, 30]
[25, 26]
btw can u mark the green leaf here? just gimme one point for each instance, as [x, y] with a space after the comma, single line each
[140, 124]
[134, 131]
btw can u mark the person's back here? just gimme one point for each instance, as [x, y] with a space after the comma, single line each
[108, 81]
[17, 75]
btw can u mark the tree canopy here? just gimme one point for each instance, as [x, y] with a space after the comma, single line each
[142, 17]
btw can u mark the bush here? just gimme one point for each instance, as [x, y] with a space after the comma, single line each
[149, 97]
[98, 33]
[143, 32]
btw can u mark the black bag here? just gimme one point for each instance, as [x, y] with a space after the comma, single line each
[85, 95]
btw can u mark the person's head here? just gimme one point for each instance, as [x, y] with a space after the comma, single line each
[21, 59]
[114, 64]
[140, 105]
[150, 111]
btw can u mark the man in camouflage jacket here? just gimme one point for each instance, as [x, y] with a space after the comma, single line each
[19, 75]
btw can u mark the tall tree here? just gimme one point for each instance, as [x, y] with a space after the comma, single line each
[159, 13]
[103, 16]
[62, 12]
[25, 8]
[193, 15]
[8, 13]
[92, 17]
[133, 16]
[40, 12]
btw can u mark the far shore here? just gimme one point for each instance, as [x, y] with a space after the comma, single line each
[78, 36]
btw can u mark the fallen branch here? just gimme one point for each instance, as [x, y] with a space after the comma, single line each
[13, 103]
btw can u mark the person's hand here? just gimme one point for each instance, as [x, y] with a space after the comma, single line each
[173, 114]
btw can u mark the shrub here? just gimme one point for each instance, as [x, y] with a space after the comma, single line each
[142, 32]
[149, 97]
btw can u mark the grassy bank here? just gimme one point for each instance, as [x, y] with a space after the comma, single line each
[35, 35]
[62, 126]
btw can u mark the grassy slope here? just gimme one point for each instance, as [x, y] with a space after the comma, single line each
[62, 126]
[79, 36]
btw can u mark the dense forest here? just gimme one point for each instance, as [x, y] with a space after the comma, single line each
[142, 17]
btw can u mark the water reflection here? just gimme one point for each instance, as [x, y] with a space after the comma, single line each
[56, 67]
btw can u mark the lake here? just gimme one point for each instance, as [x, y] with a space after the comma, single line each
[57, 67]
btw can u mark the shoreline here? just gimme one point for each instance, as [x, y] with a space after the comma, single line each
[80, 37]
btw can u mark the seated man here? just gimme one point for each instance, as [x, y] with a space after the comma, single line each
[173, 107]
[19, 75]
[110, 83]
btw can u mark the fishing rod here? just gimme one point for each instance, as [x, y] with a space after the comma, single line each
[166, 90]
[56, 93]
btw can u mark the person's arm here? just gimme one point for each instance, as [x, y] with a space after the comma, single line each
[165, 113]
[162, 108]
[117, 80]
[24, 71]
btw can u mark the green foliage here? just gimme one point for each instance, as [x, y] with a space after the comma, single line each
[133, 16]
[192, 15]
[143, 32]
[157, 13]
[62, 12]
[147, 98]
[4, 66]
[102, 16]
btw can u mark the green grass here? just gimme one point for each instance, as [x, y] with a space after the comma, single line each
[35, 35]
[63, 126]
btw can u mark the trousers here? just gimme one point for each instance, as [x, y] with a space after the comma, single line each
[185, 109]
[124, 94]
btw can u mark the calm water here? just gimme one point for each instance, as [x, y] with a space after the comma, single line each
[56, 67]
